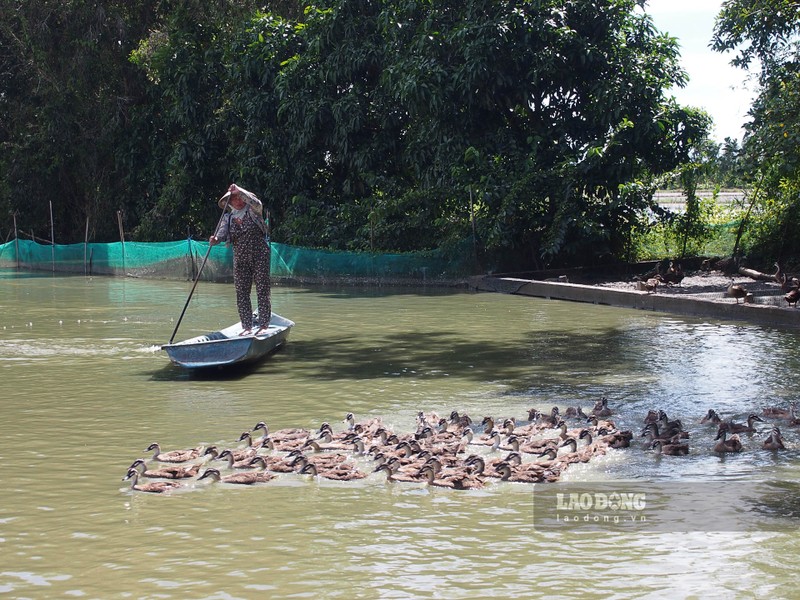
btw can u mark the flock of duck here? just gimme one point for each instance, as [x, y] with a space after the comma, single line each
[669, 437]
[790, 285]
[452, 452]
[674, 275]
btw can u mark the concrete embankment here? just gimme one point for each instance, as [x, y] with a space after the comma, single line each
[765, 309]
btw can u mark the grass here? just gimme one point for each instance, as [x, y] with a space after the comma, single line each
[662, 242]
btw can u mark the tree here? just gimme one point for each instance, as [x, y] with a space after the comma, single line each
[179, 148]
[561, 103]
[764, 34]
[67, 92]
[731, 169]
[534, 129]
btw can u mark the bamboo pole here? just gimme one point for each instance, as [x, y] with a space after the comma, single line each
[16, 238]
[474, 232]
[122, 239]
[52, 239]
[200, 270]
[190, 267]
[85, 246]
[5, 243]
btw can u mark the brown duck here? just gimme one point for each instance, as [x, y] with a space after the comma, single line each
[246, 478]
[168, 472]
[153, 487]
[174, 456]
[736, 291]
[724, 445]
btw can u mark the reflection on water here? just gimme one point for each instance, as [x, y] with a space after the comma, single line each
[86, 389]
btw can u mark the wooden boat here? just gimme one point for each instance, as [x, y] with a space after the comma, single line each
[228, 346]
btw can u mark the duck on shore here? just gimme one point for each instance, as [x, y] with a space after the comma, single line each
[673, 275]
[792, 296]
[736, 291]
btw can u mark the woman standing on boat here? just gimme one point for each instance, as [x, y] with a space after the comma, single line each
[244, 228]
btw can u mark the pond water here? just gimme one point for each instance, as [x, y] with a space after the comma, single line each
[86, 388]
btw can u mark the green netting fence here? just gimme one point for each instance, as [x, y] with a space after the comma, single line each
[183, 259]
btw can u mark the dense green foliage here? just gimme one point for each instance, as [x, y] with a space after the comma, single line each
[534, 130]
[764, 34]
[67, 93]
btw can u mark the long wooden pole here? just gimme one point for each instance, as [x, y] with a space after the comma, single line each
[52, 239]
[122, 239]
[199, 271]
[85, 246]
[16, 239]
[474, 234]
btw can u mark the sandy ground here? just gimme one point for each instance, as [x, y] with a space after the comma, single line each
[698, 282]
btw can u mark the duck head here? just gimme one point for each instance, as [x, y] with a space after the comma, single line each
[214, 473]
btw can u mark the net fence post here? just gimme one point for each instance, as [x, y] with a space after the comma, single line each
[122, 239]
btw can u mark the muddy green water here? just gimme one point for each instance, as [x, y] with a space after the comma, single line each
[85, 388]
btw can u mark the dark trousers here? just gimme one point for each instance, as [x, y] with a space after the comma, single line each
[251, 258]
